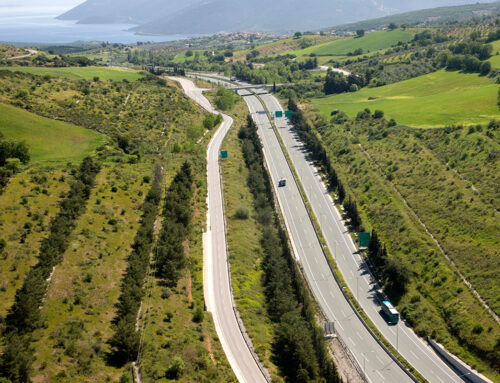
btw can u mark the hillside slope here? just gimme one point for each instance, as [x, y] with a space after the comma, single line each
[195, 17]
[427, 16]
[123, 11]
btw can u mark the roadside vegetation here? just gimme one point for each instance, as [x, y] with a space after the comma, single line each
[299, 348]
[244, 235]
[378, 170]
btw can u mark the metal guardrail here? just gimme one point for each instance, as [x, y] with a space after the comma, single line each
[384, 347]
[464, 373]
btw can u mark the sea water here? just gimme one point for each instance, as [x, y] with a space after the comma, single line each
[39, 25]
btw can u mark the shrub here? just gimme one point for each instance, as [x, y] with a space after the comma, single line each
[176, 369]
[198, 314]
[242, 213]
[224, 99]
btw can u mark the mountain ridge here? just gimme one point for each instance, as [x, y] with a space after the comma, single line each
[162, 17]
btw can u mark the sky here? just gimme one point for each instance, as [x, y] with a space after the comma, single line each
[41, 7]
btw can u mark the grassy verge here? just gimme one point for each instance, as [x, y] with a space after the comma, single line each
[178, 334]
[245, 250]
[436, 301]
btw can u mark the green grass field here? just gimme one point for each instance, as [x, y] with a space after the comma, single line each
[87, 73]
[437, 99]
[49, 141]
[495, 59]
[368, 43]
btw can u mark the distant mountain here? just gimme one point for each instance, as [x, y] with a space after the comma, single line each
[124, 11]
[212, 16]
[426, 16]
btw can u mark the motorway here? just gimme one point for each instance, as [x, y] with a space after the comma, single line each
[354, 270]
[216, 278]
[377, 365]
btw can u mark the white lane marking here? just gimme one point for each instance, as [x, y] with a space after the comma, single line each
[415, 355]
[379, 374]
[352, 341]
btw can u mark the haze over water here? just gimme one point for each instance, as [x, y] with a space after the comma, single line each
[27, 21]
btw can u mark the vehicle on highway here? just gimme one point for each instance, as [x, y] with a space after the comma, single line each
[390, 313]
[282, 183]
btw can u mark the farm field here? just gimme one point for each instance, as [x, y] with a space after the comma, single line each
[368, 43]
[433, 100]
[77, 73]
[286, 46]
[49, 141]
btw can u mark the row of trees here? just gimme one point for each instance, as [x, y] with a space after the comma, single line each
[467, 56]
[24, 316]
[125, 340]
[391, 271]
[318, 153]
[298, 345]
[336, 82]
[170, 258]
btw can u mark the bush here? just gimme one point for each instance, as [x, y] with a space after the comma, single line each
[198, 314]
[176, 369]
[242, 213]
[224, 99]
[485, 68]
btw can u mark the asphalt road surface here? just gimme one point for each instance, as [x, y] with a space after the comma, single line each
[375, 362]
[353, 268]
[372, 359]
[217, 291]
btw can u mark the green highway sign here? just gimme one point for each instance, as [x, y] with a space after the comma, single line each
[223, 154]
[364, 239]
[288, 113]
[279, 114]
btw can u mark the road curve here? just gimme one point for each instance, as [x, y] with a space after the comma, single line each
[349, 262]
[216, 278]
